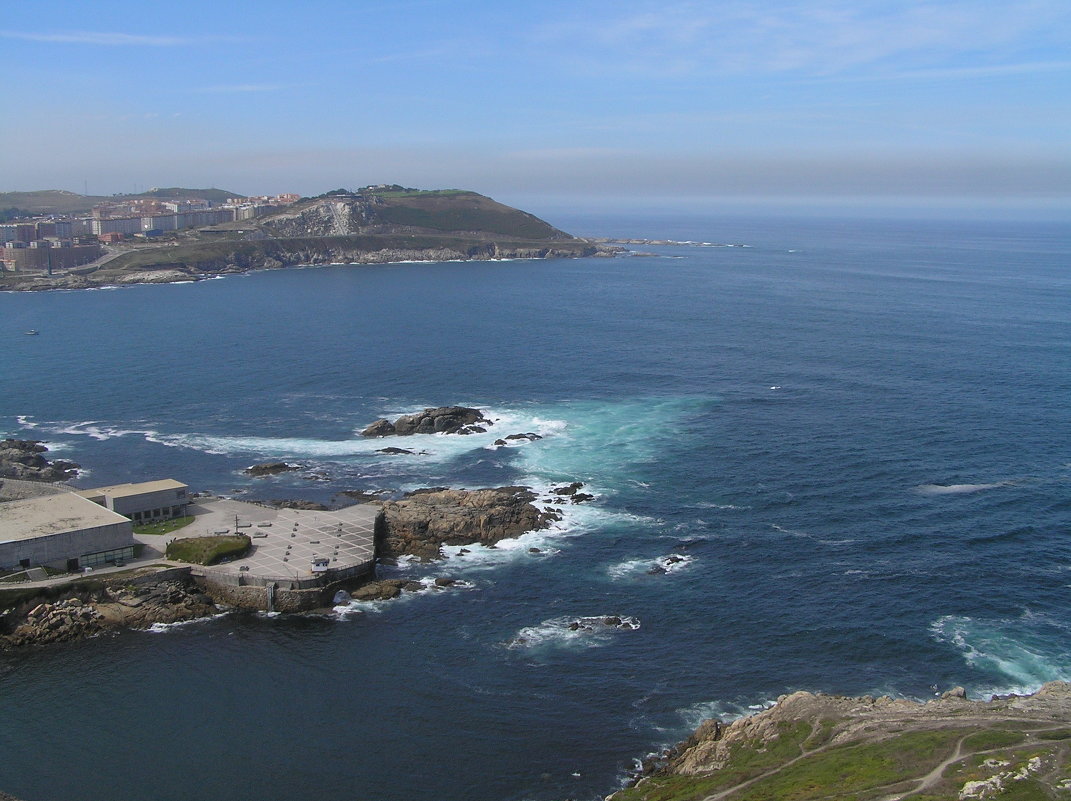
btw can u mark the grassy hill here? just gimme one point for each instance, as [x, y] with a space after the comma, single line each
[394, 210]
[60, 201]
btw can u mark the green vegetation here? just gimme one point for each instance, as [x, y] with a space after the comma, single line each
[208, 550]
[178, 193]
[164, 526]
[854, 769]
[992, 738]
[13, 213]
[469, 218]
[399, 192]
[59, 201]
[842, 772]
[1055, 734]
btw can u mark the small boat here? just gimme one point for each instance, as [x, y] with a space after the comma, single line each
[32, 332]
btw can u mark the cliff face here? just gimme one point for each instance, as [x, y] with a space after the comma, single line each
[408, 212]
[811, 747]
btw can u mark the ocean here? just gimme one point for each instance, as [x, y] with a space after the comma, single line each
[833, 457]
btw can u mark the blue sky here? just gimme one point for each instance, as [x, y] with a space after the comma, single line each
[587, 101]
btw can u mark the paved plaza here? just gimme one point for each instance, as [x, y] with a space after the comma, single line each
[286, 542]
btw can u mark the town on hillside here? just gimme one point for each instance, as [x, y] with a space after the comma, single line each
[49, 243]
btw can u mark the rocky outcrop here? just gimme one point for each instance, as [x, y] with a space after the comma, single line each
[296, 503]
[422, 522]
[441, 420]
[23, 459]
[949, 747]
[270, 469]
[85, 612]
[391, 588]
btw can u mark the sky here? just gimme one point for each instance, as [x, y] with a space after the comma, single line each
[584, 102]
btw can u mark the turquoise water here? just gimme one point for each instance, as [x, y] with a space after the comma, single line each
[855, 436]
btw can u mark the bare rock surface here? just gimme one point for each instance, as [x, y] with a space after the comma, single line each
[24, 459]
[440, 420]
[270, 468]
[87, 610]
[422, 522]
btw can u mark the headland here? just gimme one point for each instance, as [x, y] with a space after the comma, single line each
[372, 225]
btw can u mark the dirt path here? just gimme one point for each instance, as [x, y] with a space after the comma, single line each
[923, 783]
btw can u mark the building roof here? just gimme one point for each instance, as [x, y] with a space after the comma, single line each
[127, 490]
[53, 514]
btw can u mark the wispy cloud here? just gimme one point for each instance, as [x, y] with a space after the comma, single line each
[111, 38]
[805, 37]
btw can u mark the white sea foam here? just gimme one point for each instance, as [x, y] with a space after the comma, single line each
[731, 507]
[956, 489]
[355, 607]
[689, 718]
[634, 568]
[164, 628]
[1025, 652]
[583, 631]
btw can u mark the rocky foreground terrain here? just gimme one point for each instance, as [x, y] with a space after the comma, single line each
[831, 748]
[90, 608]
[24, 459]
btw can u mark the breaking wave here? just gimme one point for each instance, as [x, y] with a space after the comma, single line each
[583, 632]
[633, 568]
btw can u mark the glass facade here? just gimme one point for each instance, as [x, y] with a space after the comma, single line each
[106, 557]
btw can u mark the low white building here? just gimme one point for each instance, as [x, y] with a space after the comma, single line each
[64, 531]
[143, 502]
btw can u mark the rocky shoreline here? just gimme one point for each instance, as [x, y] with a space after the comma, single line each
[419, 524]
[24, 459]
[204, 263]
[815, 746]
[86, 609]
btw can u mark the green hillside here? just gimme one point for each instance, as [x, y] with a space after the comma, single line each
[60, 201]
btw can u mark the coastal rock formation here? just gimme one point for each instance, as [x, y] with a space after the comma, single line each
[422, 522]
[441, 420]
[873, 748]
[88, 610]
[22, 459]
[270, 468]
[296, 503]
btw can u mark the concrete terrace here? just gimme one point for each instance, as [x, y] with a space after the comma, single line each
[285, 541]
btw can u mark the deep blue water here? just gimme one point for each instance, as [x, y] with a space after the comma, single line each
[856, 433]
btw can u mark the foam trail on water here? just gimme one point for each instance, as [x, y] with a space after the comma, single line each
[582, 632]
[1021, 654]
[617, 442]
[956, 489]
[633, 568]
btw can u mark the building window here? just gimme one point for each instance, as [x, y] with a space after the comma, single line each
[106, 557]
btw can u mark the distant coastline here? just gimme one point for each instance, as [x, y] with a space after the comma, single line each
[372, 225]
